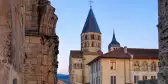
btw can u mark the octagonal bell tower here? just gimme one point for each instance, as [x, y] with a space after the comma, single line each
[91, 34]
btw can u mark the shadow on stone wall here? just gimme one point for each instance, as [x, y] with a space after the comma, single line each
[147, 82]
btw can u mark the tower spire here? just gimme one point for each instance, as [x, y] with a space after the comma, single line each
[114, 43]
[90, 3]
[113, 35]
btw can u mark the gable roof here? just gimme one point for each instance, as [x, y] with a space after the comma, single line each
[138, 53]
[91, 23]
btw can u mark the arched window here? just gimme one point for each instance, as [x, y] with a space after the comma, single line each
[85, 44]
[15, 81]
[98, 37]
[75, 66]
[145, 66]
[136, 66]
[92, 37]
[153, 66]
[78, 66]
[86, 37]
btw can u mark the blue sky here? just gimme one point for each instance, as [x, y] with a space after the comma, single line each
[134, 22]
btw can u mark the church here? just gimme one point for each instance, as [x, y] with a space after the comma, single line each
[120, 65]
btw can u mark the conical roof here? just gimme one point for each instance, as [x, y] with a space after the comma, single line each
[91, 23]
[114, 42]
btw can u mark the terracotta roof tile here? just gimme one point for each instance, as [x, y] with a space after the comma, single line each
[138, 53]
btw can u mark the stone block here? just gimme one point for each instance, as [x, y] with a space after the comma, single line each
[31, 61]
[33, 39]
[32, 82]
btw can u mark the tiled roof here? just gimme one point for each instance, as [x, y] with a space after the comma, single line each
[91, 23]
[144, 53]
[136, 52]
[76, 53]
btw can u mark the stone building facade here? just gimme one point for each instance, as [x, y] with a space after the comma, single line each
[29, 44]
[124, 66]
[81, 73]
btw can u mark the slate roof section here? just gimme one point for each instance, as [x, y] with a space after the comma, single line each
[91, 23]
[138, 53]
[76, 54]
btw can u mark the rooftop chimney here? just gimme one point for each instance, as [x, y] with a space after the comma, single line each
[125, 49]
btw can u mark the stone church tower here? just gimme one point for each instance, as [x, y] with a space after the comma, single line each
[90, 45]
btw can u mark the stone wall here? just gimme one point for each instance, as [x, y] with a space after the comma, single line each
[148, 82]
[163, 41]
[12, 41]
[41, 43]
[40, 60]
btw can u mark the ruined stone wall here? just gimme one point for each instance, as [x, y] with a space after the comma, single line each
[41, 43]
[11, 43]
[163, 41]
[41, 60]
[5, 42]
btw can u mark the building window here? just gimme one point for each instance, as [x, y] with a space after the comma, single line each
[92, 44]
[136, 78]
[81, 65]
[99, 45]
[136, 66]
[98, 37]
[153, 77]
[78, 66]
[113, 79]
[144, 78]
[98, 79]
[92, 37]
[75, 66]
[14, 81]
[86, 37]
[145, 66]
[85, 44]
[153, 66]
[113, 65]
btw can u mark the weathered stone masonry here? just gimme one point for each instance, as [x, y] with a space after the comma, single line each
[41, 43]
[12, 41]
[29, 44]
